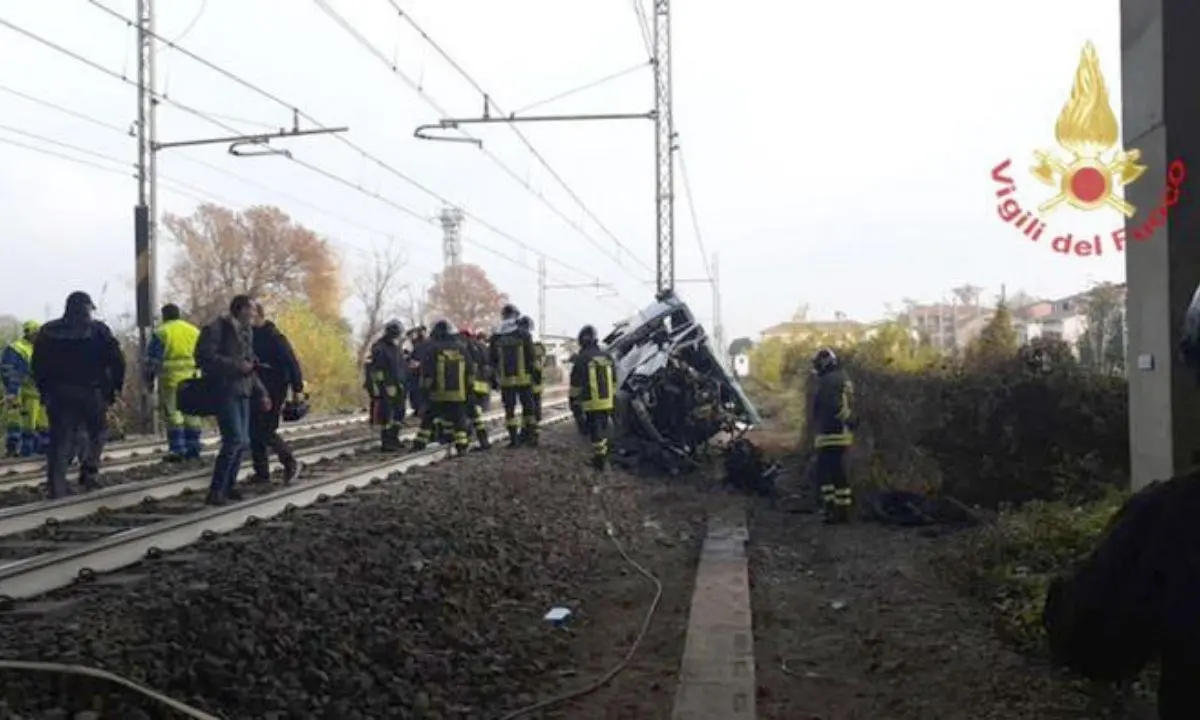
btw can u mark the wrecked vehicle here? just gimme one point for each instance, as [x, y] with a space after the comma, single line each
[674, 398]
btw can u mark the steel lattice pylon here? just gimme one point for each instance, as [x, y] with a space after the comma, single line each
[664, 147]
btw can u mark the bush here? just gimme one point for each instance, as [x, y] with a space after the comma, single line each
[325, 350]
[1010, 435]
[1010, 563]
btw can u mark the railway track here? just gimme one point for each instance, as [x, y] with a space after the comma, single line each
[136, 460]
[150, 449]
[49, 545]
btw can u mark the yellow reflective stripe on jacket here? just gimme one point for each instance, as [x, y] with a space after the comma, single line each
[842, 439]
[600, 386]
[450, 377]
[178, 339]
[844, 403]
[24, 348]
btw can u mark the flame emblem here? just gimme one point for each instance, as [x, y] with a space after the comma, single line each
[1087, 130]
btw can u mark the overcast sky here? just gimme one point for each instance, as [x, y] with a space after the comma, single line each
[840, 153]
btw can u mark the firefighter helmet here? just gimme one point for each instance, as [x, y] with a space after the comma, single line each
[294, 409]
[393, 329]
[525, 322]
[440, 330]
[587, 335]
[824, 361]
[509, 311]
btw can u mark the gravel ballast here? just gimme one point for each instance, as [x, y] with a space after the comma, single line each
[418, 598]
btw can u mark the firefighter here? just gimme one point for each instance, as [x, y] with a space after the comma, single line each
[27, 424]
[170, 357]
[386, 383]
[446, 379]
[592, 389]
[833, 423]
[416, 339]
[537, 368]
[512, 356]
[573, 402]
[481, 389]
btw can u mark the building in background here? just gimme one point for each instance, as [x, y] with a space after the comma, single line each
[1064, 319]
[946, 326]
[796, 331]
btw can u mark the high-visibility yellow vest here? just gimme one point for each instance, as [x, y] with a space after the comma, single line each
[178, 338]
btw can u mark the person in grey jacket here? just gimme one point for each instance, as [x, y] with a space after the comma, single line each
[225, 357]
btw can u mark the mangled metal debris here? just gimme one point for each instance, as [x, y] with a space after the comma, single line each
[674, 396]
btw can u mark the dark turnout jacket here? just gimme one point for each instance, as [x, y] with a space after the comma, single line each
[832, 414]
[387, 366]
[280, 368]
[220, 351]
[77, 356]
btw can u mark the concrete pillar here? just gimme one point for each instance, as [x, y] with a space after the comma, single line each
[1161, 93]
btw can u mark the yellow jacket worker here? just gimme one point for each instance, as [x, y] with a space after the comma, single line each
[170, 357]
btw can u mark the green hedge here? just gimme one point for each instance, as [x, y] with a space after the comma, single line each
[990, 438]
[1006, 436]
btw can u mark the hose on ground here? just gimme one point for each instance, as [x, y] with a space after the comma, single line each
[61, 669]
[633, 648]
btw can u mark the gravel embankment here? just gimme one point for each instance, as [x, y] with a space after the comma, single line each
[419, 598]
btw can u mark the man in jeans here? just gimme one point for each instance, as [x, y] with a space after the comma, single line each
[225, 356]
[279, 371]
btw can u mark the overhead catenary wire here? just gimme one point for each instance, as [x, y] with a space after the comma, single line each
[179, 187]
[201, 194]
[429, 100]
[644, 27]
[348, 143]
[309, 166]
[67, 111]
[491, 101]
[691, 203]
[583, 88]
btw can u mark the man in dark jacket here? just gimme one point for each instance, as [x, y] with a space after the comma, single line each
[386, 382]
[225, 356]
[79, 370]
[279, 370]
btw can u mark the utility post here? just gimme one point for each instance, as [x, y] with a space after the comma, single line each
[664, 148]
[144, 212]
[451, 219]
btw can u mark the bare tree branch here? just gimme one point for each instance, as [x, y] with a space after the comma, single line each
[377, 288]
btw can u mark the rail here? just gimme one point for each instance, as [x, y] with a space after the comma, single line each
[62, 567]
[153, 447]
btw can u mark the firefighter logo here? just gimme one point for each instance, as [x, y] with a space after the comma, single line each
[1086, 172]
[1087, 131]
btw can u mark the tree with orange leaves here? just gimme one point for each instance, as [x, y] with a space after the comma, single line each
[465, 296]
[259, 251]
